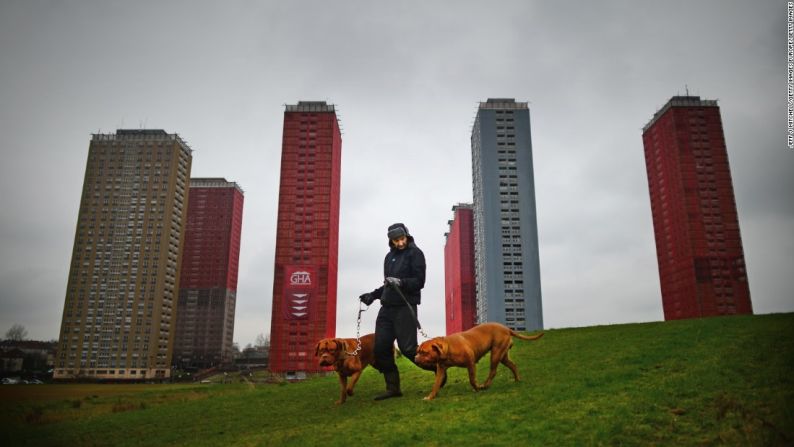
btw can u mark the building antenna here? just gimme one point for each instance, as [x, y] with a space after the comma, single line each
[686, 87]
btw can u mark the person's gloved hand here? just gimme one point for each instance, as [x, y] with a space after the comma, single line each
[392, 281]
[367, 298]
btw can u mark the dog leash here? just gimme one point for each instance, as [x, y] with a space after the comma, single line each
[358, 330]
[411, 309]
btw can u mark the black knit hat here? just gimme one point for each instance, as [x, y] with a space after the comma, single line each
[397, 230]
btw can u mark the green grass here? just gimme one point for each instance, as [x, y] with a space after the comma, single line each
[717, 381]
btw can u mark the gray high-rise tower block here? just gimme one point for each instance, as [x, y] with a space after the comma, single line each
[507, 264]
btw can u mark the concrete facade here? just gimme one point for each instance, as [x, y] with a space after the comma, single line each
[507, 261]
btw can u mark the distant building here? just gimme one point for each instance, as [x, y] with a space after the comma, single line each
[253, 357]
[11, 361]
[208, 284]
[119, 312]
[698, 243]
[507, 262]
[28, 356]
[459, 270]
[307, 236]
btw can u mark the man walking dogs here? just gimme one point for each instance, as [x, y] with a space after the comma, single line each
[400, 294]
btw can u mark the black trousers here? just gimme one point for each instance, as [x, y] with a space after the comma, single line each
[394, 323]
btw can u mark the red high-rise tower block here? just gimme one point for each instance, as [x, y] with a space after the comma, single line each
[304, 283]
[459, 270]
[698, 243]
[208, 282]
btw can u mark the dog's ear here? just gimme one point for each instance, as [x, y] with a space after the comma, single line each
[340, 345]
[317, 349]
[439, 347]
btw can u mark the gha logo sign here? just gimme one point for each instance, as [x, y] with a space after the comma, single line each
[300, 279]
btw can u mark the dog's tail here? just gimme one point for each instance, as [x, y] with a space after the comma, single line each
[525, 337]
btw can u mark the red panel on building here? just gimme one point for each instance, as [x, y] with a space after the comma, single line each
[698, 243]
[298, 292]
[459, 271]
[307, 237]
[212, 237]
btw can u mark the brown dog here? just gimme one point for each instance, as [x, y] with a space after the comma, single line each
[466, 348]
[336, 352]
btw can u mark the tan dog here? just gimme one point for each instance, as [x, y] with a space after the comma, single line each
[336, 352]
[465, 349]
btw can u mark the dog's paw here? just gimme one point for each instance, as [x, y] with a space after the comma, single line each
[339, 402]
[428, 398]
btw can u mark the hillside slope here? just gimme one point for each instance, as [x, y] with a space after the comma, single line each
[723, 380]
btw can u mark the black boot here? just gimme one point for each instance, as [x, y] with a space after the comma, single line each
[392, 385]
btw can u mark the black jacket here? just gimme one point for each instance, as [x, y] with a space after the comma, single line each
[409, 266]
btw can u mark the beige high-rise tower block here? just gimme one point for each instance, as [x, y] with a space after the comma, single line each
[120, 309]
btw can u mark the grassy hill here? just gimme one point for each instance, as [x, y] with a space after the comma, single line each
[697, 382]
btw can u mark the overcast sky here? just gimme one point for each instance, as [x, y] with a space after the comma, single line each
[406, 78]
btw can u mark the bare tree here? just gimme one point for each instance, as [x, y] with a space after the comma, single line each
[16, 333]
[262, 342]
